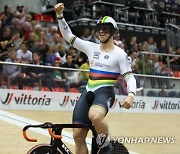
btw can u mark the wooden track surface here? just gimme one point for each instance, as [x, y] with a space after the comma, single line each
[121, 124]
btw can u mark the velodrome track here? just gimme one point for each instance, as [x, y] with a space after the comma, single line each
[121, 124]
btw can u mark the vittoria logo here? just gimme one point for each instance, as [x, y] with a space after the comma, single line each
[67, 100]
[7, 99]
[26, 99]
[156, 104]
[136, 104]
[166, 105]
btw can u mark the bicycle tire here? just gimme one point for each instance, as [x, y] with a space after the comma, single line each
[119, 148]
[42, 149]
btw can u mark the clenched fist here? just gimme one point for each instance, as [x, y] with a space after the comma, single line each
[127, 103]
[59, 9]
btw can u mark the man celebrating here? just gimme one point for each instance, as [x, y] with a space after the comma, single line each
[107, 61]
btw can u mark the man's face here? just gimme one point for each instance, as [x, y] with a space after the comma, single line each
[104, 28]
[134, 55]
[24, 47]
[7, 32]
[69, 59]
[20, 8]
[12, 54]
[104, 31]
[36, 57]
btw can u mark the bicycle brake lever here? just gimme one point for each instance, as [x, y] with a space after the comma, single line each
[53, 135]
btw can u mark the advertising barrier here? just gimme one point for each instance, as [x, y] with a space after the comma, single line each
[65, 101]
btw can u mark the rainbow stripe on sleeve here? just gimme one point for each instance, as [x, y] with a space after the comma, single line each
[72, 40]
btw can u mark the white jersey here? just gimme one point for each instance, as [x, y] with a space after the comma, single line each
[105, 67]
[25, 57]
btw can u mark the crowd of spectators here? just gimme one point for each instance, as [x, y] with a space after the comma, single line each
[24, 40]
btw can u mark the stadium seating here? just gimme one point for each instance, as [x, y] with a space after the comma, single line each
[172, 94]
[58, 89]
[152, 93]
[74, 90]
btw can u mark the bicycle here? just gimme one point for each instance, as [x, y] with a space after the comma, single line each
[57, 146]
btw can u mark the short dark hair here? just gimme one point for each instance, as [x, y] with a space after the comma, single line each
[38, 53]
[5, 28]
[68, 55]
[25, 43]
[5, 7]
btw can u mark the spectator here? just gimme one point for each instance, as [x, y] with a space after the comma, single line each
[3, 54]
[28, 17]
[117, 41]
[166, 71]
[20, 11]
[145, 65]
[7, 15]
[133, 42]
[43, 49]
[31, 41]
[23, 54]
[84, 75]
[170, 52]
[94, 36]
[56, 41]
[157, 70]
[75, 54]
[37, 32]
[12, 72]
[15, 26]
[86, 34]
[52, 31]
[58, 77]
[82, 58]
[62, 52]
[151, 46]
[26, 30]
[17, 40]
[134, 65]
[5, 38]
[70, 76]
[69, 62]
[163, 48]
[175, 62]
[39, 74]
[50, 56]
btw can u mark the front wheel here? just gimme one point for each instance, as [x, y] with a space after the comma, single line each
[42, 149]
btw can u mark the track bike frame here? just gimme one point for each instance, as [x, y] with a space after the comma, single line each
[55, 131]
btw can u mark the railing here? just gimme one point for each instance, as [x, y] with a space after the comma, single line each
[169, 66]
[75, 83]
[173, 35]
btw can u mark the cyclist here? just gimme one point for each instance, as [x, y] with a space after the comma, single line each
[106, 61]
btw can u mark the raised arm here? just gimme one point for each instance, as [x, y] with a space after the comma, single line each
[79, 44]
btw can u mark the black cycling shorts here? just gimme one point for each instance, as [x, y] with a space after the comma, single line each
[103, 97]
